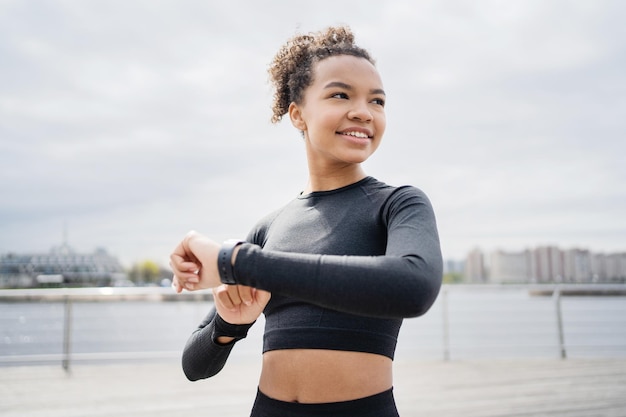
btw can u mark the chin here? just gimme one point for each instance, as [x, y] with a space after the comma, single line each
[357, 159]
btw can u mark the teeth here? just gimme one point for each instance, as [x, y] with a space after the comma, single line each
[356, 134]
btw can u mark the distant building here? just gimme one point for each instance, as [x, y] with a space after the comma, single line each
[599, 267]
[474, 270]
[451, 266]
[546, 264]
[60, 267]
[615, 267]
[577, 266]
[510, 267]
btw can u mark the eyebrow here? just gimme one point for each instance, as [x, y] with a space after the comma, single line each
[335, 84]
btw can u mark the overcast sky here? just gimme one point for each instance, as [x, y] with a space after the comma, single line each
[132, 122]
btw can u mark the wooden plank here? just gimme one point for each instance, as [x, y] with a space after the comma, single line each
[478, 388]
[515, 388]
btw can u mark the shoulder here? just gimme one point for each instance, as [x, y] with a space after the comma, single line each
[258, 234]
[392, 194]
[404, 202]
[409, 194]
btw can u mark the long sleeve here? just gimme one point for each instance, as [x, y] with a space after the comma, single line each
[203, 357]
[402, 282]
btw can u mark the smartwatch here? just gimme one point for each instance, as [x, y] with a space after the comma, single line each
[224, 263]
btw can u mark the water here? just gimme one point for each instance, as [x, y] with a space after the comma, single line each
[501, 323]
[485, 323]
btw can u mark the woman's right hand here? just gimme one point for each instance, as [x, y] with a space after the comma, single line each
[239, 304]
[194, 262]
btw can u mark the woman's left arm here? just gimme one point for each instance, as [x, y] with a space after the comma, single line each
[404, 282]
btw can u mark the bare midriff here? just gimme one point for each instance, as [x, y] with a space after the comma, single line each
[321, 376]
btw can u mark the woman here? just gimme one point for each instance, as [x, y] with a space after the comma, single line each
[344, 262]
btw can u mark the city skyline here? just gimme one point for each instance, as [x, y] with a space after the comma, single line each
[543, 264]
[66, 245]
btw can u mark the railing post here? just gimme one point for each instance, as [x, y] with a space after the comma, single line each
[67, 335]
[559, 322]
[446, 325]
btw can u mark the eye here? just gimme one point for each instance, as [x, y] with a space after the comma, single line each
[379, 101]
[340, 95]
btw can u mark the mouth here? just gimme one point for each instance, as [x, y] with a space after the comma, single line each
[356, 134]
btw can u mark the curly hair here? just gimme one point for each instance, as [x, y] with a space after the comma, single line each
[291, 70]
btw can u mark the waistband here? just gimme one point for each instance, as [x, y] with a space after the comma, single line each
[330, 339]
[378, 405]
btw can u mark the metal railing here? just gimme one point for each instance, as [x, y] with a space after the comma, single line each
[555, 292]
[452, 321]
[69, 297]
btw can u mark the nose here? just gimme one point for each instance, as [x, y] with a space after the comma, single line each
[360, 112]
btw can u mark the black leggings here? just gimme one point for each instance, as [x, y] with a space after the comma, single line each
[379, 405]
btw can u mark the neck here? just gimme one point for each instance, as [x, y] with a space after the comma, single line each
[325, 181]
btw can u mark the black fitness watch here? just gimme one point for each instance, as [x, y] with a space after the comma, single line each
[224, 263]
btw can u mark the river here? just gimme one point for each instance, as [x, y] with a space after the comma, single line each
[482, 323]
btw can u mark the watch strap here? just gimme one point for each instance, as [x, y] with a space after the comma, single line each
[224, 261]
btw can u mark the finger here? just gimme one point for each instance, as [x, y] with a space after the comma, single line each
[245, 294]
[185, 246]
[262, 297]
[176, 285]
[221, 296]
[191, 276]
[233, 294]
[185, 271]
[182, 251]
[189, 267]
[181, 264]
[184, 277]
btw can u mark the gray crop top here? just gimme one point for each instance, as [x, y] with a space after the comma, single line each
[344, 268]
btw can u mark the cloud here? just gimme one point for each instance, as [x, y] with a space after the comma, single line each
[136, 121]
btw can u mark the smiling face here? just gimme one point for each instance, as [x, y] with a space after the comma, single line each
[342, 112]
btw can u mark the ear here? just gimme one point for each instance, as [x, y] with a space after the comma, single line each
[295, 114]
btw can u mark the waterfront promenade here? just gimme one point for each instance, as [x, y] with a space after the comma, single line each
[467, 388]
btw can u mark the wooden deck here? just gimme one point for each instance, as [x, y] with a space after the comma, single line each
[481, 388]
